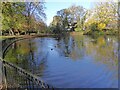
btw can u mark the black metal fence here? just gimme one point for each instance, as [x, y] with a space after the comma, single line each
[16, 77]
[6, 43]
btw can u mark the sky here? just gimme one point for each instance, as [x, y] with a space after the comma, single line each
[53, 6]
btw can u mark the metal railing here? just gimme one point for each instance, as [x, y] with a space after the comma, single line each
[16, 77]
[7, 43]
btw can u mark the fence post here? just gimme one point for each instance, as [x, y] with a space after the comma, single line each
[1, 74]
[4, 76]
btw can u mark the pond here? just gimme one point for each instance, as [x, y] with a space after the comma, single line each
[72, 61]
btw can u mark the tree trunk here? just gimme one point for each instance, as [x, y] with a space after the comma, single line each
[28, 21]
[18, 32]
[12, 31]
[9, 33]
[25, 33]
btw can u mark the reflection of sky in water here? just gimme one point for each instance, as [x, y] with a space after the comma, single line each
[75, 61]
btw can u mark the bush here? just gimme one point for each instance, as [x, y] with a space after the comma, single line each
[78, 29]
[101, 26]
[94, 27]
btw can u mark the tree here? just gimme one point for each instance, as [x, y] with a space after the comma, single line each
[41, 27]
[106, 13]
[103, 17]
[70, 16]
[64, 14]
[21, 17]
[35, 9]
[12, 16]
[77, 14]
[56, 24]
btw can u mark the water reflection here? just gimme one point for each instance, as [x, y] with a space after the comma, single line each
[70, 61]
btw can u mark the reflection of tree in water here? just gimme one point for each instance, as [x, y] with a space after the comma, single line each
[105, 50]
[22, 54]
[78, 50]
[64, 45]
[71, 46]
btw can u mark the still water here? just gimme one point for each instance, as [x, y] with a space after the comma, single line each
[73, 61]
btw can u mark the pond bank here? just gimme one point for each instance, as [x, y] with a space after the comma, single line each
[76, 33]
[27, 36]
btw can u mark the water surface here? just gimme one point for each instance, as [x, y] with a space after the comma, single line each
[74, 61]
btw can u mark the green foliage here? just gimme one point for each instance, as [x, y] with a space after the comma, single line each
[21, 16]
[78, 29]
[94, 27]
[68, 16]
[103, 18]
[12, 15]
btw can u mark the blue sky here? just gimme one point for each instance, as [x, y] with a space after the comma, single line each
[53, 6]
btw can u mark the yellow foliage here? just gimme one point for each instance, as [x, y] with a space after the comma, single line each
[101, 26]
[101, 41]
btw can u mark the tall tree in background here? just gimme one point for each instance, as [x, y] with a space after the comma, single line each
[104, 16]
[57, 24]
[77, 14]
[70, 16]
[35, 9]
[64, 14]
[106, 12]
